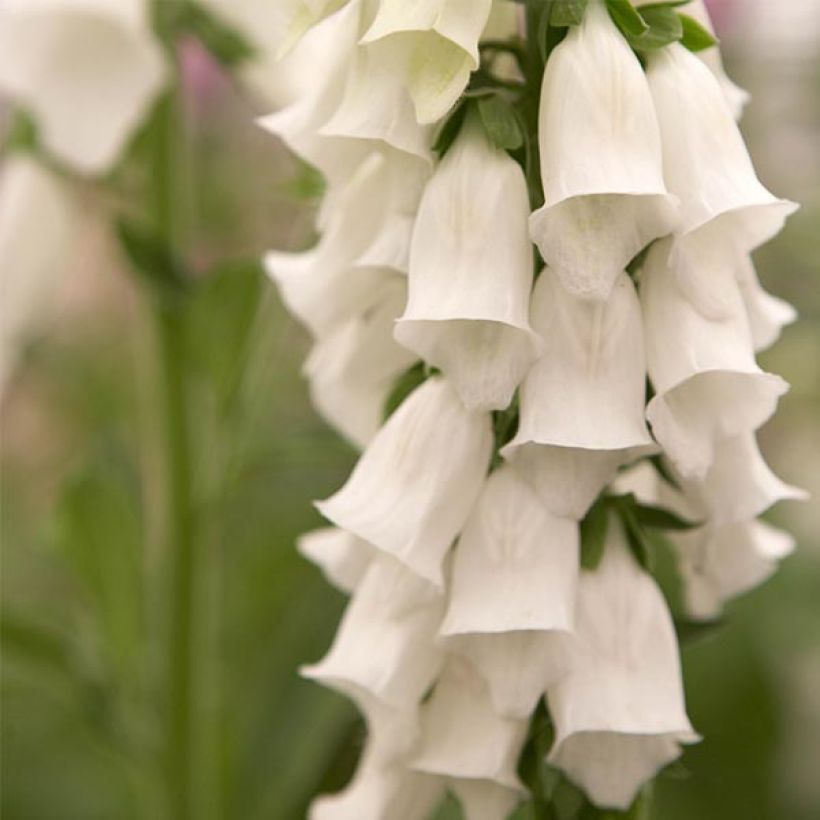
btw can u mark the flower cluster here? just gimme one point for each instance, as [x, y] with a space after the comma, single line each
[493, 534]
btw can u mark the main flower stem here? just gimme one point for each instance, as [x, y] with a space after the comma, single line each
[175, 451]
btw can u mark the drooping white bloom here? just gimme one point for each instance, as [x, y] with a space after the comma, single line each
[707, 383]
[484, 799]
[37, 222]
[601, 164]
[343, 558]
[718, 563]
[468, 305]
[87, 69]
[619, 713]
[582, 403]
[767, 314]
[432, 45]
[725, 210]
[512, 592]
[462, 736]
[384, 647]
[352, 369]
[414, 486]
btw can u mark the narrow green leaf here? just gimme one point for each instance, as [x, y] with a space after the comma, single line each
[669, 4]
[404, 386]
[593, 535]
[568, 13]
[661, 518]
[664, 28]
[450, 130]
[500, 122]
[695, 36]
[626, 17]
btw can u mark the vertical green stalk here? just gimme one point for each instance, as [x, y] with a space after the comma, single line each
[175, 453]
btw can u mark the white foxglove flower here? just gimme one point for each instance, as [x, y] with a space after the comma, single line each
[720, 563]
[484, 799]
[619, 713]
[37, 223]
[87, 69]
[601, 164]
[767, 314]
[707, 383]
[432, 45]
[725, 210]
[384, 647]
[462, 736]
[290, 19]
[414, 486]
[468, 305]
[353, 368]
[582, 403]
[343, 558]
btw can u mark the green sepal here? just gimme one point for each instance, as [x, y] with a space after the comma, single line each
[626, 17]
[690, 632]
[450, 129]
[664, 27]
[669, 4]
[695, 37]
[568, 13]
[500, 122]
[661, 518]
[404, 385]
[594, 528]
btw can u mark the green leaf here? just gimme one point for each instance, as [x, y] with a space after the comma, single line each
[664, 28]
[450, 130]
[593, 535]
[568, 13]
[404, 386]
[153, 260]
[695, 36]
[500, 122]
[669, 4]
[626, 17]
[661, 518]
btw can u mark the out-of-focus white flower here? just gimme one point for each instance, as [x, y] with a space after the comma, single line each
[353, 368]
[619, 713]
[462, 735]
[340, 278]
[37, 222]
[384, 647]
[432, 45]
[415, 484]
[601, 165]
[707, 383]
[484, 799]
[87, 69]
[342, 557]
[725, 210]
[468, 305]
[767, 314]
[582, 403]
[720, 563]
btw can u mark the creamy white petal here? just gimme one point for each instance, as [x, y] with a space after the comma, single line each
[582, 403]
[767, 314]
[461, 734]
[342, 557]
[721, 562]
[707, 383]
[601, 164]
[418, 479]
[37, 222]
[432, 45]
[468, 305]
[88, 70]
[706, 163]
[385, 643]
[484, 799]
[353, 368]
[292, 18]
[619, 713]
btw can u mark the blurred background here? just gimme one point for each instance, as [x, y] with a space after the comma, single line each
[82, 606]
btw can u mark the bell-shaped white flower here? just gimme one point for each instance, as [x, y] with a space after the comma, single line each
[468, 305]
[343, 558]
[484, 799]
[462, 736]
[619, 713]
[707, 383]
[432, 45]
[37, 224]
[722, 562]
[582, 403]
[767, 314]
[353, 368]
[601, 164]
[290, 19]
[725, 210]
[415, 484]
[385, 647]
[87, 69]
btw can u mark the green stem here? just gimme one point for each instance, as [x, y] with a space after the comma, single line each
[180, 531]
